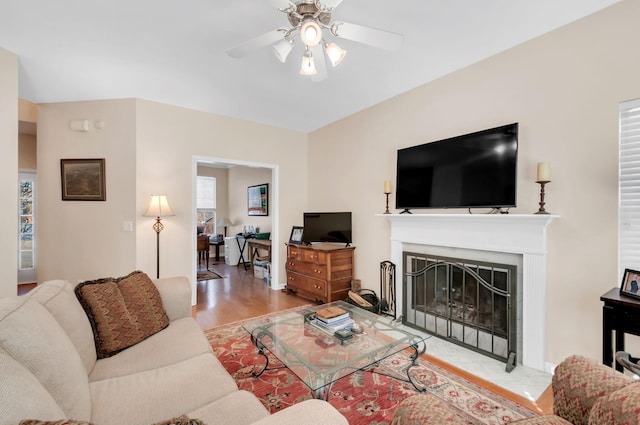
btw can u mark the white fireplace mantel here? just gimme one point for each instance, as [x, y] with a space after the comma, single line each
[523, 234]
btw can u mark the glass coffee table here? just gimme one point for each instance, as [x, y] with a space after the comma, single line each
[319, 358]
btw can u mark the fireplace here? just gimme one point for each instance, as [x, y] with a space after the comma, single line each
[504, 240]
[470, 303]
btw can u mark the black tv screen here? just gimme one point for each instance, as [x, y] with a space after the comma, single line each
[469, 171]
[327, 227]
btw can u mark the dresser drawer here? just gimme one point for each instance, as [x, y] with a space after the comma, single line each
[308, 255]
[294, 252]
[313, 256]
[317, 271]
[307, 285]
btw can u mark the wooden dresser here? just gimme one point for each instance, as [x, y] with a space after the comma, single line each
[320, 272]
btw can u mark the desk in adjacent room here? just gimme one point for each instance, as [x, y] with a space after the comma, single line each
[255, 245]
[622, 315]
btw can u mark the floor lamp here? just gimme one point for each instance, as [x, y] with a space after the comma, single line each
[158, 207]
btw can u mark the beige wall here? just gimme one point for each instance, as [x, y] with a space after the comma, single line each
[27, 111]
[564, 89]
[27, 146]
[240, 178]
[153, 145]
[81, 240]
[170, 139]
[9, 172]
[27, 155]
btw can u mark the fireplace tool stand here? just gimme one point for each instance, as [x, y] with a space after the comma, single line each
[388, 288]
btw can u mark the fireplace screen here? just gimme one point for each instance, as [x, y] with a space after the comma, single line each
[466, 302]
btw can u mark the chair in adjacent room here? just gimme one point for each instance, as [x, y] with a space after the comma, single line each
[203, 249]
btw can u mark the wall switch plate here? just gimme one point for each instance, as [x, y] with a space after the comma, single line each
[127, 226]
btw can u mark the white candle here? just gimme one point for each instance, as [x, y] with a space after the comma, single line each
[387, 186]
[543, 172]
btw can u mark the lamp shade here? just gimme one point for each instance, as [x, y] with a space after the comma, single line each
[158, 206]
[282, 49]
[308, 66]
[224, 222]
[335, 53]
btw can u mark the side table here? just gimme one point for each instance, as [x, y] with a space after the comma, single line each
[215, 242]
[621, 315]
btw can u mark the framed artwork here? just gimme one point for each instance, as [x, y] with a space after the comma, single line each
[630, 283]
[296, 234]
[258, 199]
[83, 180]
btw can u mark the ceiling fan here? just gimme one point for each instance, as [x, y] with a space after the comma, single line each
[311, 20]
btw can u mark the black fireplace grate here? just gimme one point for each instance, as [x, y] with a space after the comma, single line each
[470, 303]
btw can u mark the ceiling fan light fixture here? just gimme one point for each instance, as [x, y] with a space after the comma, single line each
[282, 49]
[311, 33]
[335, 53]
[308, 65]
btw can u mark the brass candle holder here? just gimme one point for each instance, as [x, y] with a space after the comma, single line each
[541, 210]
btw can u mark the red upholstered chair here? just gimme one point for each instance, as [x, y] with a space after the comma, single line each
[585, 392]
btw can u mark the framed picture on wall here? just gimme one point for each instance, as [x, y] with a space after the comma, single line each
[630, 283]
[258, 199]
[296, 234]
[83, 179]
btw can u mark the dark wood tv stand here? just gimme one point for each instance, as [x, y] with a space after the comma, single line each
[320, 272]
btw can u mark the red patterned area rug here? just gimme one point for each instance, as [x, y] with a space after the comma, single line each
[362, 397]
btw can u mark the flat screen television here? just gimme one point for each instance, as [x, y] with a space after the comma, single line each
[327, 227]
[477, 170]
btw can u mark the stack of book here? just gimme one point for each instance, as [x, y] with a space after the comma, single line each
[333, 319]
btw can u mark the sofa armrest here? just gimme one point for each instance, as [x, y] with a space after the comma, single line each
[578, 383]
[619, 407]
[176, 296]
[426, 409]
[308, 412]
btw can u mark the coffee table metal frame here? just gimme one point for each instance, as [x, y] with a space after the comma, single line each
[319, 358]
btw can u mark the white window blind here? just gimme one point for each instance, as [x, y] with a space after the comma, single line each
[629, 187]
[206, 192]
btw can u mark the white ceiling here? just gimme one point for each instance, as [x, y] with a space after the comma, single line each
[174, 51]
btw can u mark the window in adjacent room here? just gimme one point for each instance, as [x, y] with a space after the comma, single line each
[629, 187]
[206, 204]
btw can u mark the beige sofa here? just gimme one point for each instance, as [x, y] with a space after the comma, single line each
[49, 369]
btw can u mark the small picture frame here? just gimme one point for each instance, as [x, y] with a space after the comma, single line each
[296, 234]
[630, 285]
[83, 179]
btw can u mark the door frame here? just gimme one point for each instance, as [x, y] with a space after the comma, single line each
[274, 209]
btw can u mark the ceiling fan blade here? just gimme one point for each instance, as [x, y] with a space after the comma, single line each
[366, 35]
[281, 4]
[331, 4]
[321, 64]
[256, 43]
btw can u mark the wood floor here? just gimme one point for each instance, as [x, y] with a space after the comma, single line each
[240, 296]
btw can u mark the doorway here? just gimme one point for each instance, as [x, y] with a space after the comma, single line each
[232, 198]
